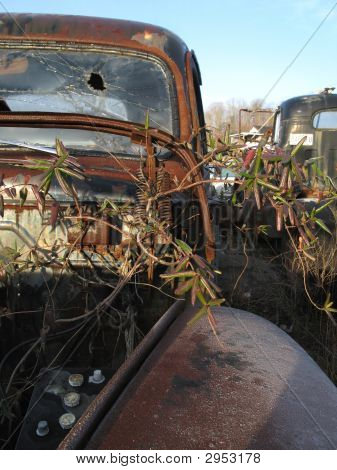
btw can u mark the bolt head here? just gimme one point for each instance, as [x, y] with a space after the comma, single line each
[71, 399]
[97, 377]
[67, 420]
[76, 380]
[42, 428]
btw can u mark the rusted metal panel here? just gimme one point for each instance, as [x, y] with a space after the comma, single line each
[252, 387]
[92, 30]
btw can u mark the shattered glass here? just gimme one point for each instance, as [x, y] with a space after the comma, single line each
[117, 85]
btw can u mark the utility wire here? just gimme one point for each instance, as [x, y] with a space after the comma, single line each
[300, 51]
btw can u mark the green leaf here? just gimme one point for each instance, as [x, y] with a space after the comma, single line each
[181, 265]
[63, 183]
[200, 313]
[321, 224]
[45, 185]
[184, 246]
[178, 275]
[210, 292]
[267, 185]
[74, 173]
[61, 152]
[312, 160]
[194, 290]
[147, 120]
[201, 297]
[298, 146]
[324, 206]
[184, 287]
[258, 161]
[216, 302]
[296, 170]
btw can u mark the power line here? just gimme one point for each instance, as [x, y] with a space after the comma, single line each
[300, 51]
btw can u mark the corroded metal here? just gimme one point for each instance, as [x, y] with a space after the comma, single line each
[251, 387]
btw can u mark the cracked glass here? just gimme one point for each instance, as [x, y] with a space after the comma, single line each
[117, 85]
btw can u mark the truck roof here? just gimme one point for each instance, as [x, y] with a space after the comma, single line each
[91, 30]
[307, 105]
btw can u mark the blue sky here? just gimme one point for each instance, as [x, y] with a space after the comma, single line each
[242, 45]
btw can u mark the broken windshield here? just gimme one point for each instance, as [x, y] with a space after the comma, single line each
[114, 84]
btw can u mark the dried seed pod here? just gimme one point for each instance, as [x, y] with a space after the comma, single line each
[279, 218]
[284, 178]
[291, 214]
[290, 182]
[285, 212]
[257, 195]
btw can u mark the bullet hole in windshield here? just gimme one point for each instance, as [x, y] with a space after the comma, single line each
[96, 81]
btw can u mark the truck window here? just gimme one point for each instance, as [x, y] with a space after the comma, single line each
[325, 119]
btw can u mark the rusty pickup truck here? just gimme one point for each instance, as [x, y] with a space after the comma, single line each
[111, 98]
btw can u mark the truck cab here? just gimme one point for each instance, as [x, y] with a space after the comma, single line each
[313, 117]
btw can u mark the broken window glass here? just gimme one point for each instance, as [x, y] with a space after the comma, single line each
[117, 85]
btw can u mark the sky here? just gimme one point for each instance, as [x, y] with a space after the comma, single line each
[242, 45]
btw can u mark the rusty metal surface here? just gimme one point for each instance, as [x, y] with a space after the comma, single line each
[93, 31]
[54, 30]
[253, 387]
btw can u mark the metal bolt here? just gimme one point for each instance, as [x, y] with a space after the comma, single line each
[76, 380]
[42, 428]
[71, 399]
[97, 378]
[67, 420]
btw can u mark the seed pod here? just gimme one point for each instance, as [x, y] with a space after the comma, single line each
[54, 210]
[279, 218]
[284, 178]
[291, 215]
[290, 182]
[257, 195]
[285, 212]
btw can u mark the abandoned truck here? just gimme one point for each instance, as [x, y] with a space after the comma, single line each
[313, 117]
[97, 117]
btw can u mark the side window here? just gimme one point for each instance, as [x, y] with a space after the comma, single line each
[325, 119]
